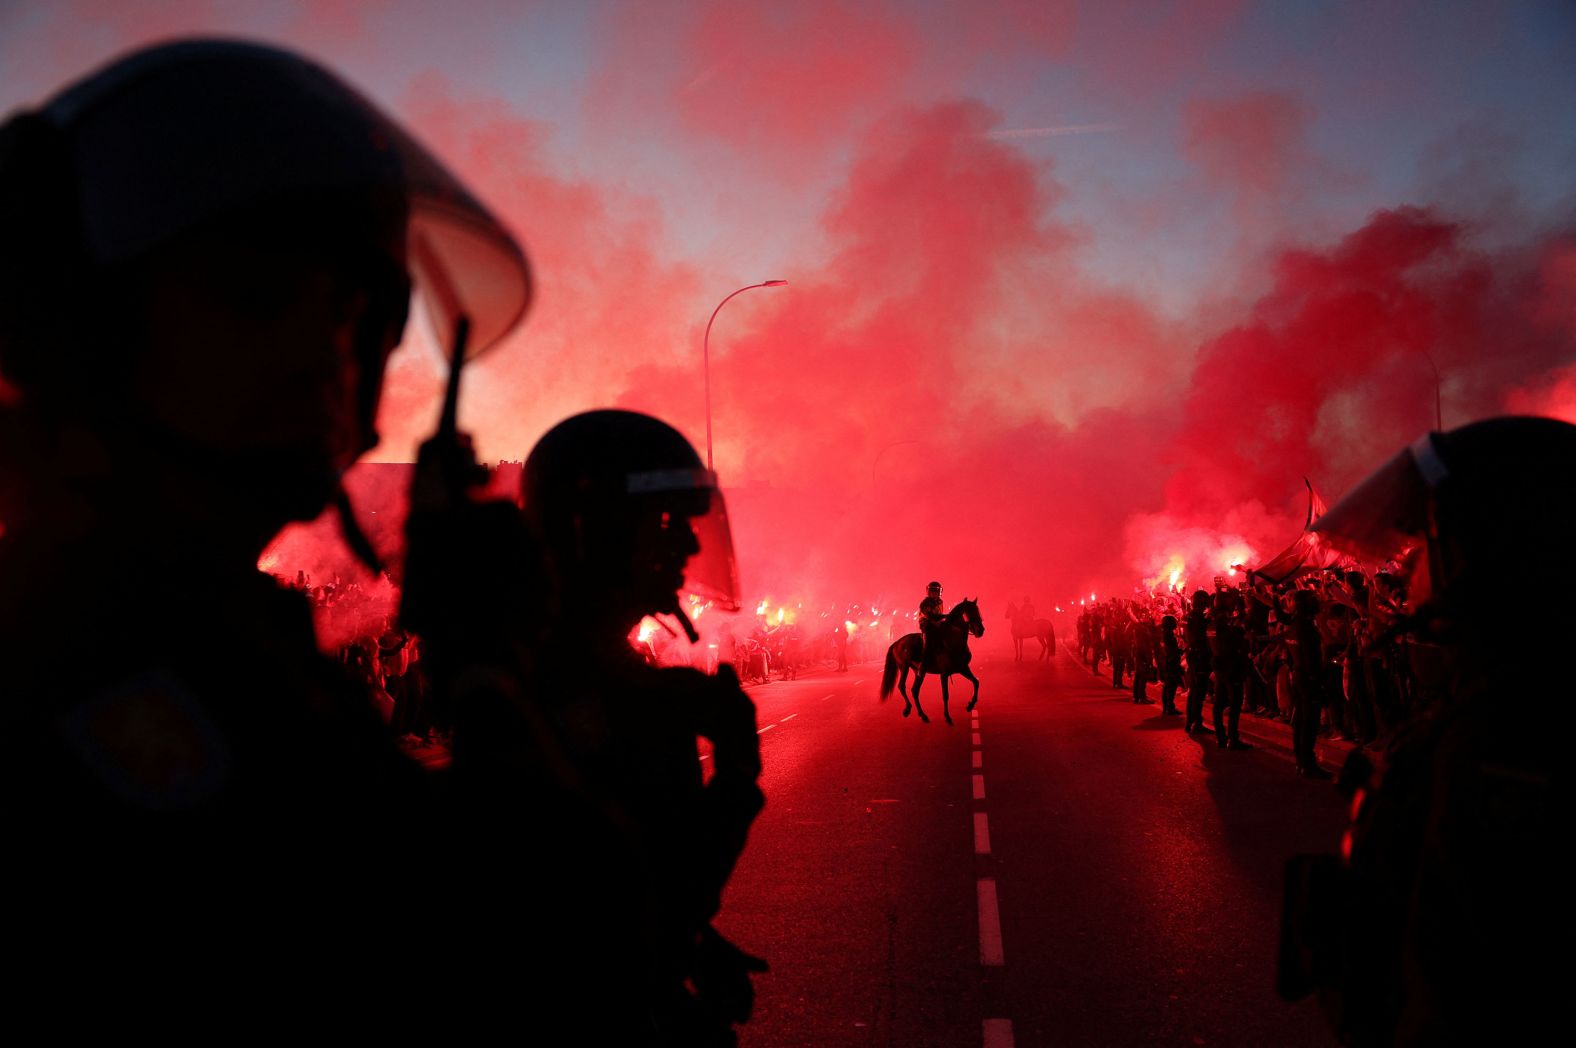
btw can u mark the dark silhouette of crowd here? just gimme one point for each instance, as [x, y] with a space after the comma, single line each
[1317, 652]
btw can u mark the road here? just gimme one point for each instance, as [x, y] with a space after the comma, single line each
[1064, 868]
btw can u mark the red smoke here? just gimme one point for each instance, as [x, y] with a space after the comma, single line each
[1334, 368]
[944, 390]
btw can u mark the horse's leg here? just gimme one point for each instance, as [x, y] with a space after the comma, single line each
[946, 699]
[919, 679]
[968, 674]
[902, 687]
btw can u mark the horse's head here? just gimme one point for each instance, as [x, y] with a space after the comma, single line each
[968, 613]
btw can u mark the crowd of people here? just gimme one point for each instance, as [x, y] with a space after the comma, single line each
[1317, 652]
[776, 643]
[359, 625]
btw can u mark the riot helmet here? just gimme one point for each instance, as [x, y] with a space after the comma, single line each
[229, 148]
[623, 507]
[1471, 512]
[933, 589]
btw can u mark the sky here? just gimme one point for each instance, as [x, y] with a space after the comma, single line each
[1076, 291]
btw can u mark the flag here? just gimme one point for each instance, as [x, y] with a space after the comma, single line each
[1309, 552]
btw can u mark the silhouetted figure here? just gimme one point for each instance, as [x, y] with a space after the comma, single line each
[1145, 639]
[203, 268]
[1196, 635]
[1099, 635]
[948, 654]
[1258, 693]
[1022, 616]
[625, 516]
[1170, 665]
[1444, 919]
[1231, 666]
[931, 612]
[1119, 630]
[1308, 680]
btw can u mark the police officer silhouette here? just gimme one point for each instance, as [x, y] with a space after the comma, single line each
[1443, 918]
[206, 256]
[625, 517]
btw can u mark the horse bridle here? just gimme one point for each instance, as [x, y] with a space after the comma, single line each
[975, 624]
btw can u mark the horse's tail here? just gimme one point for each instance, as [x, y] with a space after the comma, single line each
[889, 673]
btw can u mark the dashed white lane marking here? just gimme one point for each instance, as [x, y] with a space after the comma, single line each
[990, 925]
[788, 718]
[766, 729]
[976, 739]
[979, 759]
[825, 697]
[998, 1033]
[979, 787]
[981, 834]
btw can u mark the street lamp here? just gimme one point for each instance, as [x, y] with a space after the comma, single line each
[706, 355]
[1439, 412]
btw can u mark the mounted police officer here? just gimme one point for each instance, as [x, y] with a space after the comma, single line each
[206, 256]
[932, 612]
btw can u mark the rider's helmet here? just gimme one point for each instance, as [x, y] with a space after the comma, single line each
[224, 182]
[622, 505]
[934, 589]
[1474, 513]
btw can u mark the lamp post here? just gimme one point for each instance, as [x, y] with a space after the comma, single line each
[706, 354]
[1439, 412]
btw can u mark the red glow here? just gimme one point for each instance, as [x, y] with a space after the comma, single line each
[951, 388]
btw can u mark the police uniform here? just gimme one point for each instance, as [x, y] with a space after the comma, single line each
[931, 612]
[197, 797]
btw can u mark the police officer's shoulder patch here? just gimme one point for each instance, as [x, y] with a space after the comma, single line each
[150, 742]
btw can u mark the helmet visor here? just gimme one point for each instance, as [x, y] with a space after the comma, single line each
[176, 136]
[711, 573]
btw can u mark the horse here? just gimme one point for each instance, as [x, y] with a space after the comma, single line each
[1023, 628]
[949, 654]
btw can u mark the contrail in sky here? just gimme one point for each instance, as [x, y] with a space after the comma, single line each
[1053, 132]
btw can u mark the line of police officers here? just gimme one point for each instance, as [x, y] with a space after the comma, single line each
[207, 252]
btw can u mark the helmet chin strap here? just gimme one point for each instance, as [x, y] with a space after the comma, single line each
[678, 612]
[355, 538]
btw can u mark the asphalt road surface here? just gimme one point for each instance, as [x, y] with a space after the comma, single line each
[1067, 869]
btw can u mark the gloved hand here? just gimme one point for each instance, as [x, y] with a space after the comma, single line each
[471, 576]
[727, 718]
[721, 976]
